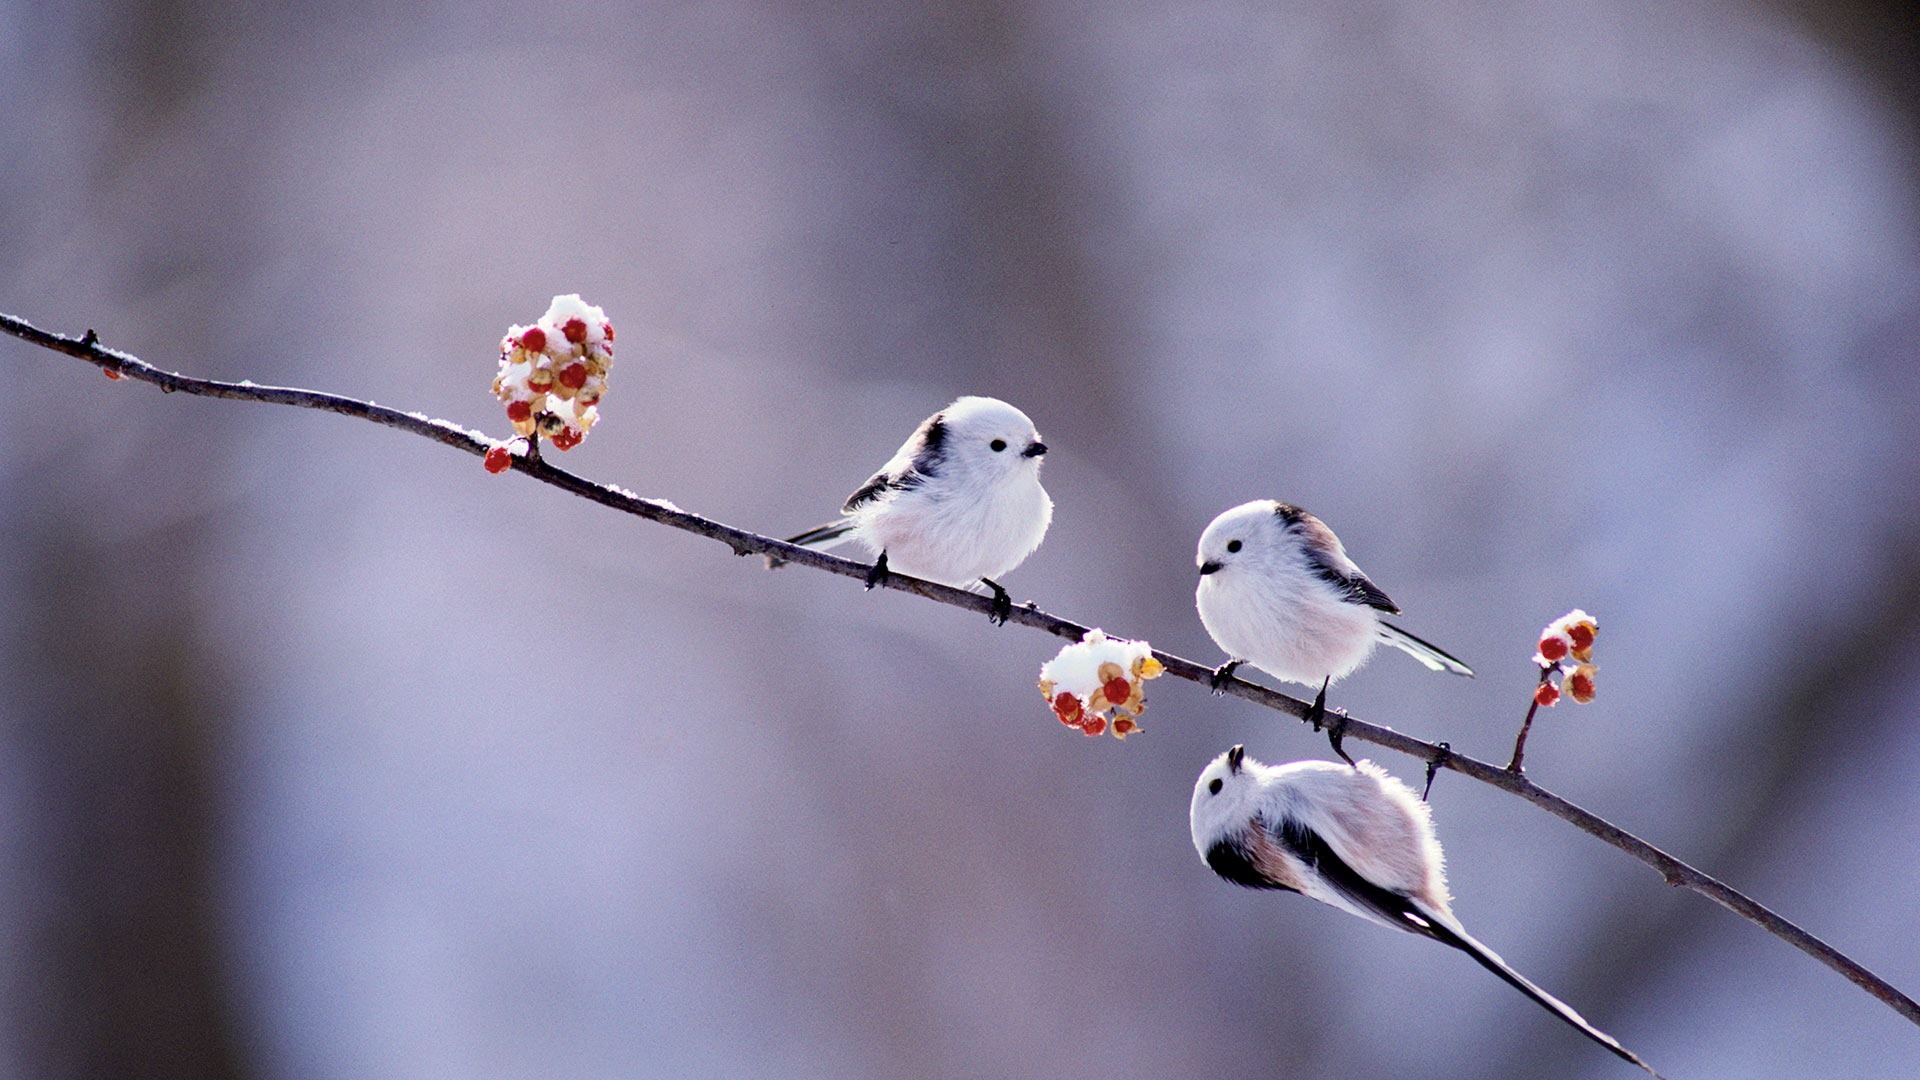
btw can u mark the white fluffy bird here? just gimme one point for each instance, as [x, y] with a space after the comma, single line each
[1278, 591]
[1352, 836]
[960, 503]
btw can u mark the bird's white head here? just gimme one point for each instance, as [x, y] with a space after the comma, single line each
[988, 437]
[1255, 534]
[1225, 798]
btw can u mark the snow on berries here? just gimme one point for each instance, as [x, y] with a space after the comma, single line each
[554, 372]
[1098, 684]
[1566, 651]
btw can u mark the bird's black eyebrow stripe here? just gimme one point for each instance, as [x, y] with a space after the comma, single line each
[1228, 858]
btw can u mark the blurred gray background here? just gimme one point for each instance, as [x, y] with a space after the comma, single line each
[325, 754]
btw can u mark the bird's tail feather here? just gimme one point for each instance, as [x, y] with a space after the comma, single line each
[832, 534]
[1444, 931]
[1423, 651]
[825, 536]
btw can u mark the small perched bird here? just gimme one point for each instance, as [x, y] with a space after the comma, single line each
[1278, 591]
[1352, 836]
[960, 503]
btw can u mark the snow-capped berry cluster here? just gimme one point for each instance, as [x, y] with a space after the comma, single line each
[1566, 650]
[1097, 684]
[553, 373]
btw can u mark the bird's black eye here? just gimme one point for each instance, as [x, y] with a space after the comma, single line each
[1213, 786]
[998, 445]
[1233, 545]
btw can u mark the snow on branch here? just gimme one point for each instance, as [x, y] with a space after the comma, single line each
[1436, 755]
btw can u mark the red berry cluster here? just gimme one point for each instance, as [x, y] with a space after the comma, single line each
[1098, 684]
[553, 373]
[1566, 650]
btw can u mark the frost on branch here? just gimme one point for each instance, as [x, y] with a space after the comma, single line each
[553, 373]
[1098, 683]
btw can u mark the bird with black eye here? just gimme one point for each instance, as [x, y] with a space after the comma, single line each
[1277, 590]
[1350, 836]
[951, 505]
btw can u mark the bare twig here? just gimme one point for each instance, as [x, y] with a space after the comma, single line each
[1520, 741]
[1436, 756]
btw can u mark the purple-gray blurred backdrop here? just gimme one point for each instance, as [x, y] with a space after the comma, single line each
[325, 754]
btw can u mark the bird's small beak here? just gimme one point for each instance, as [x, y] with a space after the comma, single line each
[1036, 448]
[1234, 757]
[1208, 568]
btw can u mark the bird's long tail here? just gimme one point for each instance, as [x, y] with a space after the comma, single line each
[1423, 651]
[1443, 930]
[832, 534]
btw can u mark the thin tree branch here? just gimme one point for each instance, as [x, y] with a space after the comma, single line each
[1512, 781]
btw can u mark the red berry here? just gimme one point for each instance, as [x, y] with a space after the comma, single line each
[573, 376]
[1546, 694]
[566, 438]
[1124, 726]
[1067, 708]
[1582, 635]
[1580, 686]
[1117, 690]
[1553, 647]
[519, 411]
[540, 382]
[607, 329]
[534, 339]
[498, 460]
[1094, 725]
[575, 330]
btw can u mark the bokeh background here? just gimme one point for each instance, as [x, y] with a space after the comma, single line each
[325, 754]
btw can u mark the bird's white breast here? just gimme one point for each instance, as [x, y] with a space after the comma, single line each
[935, 531]
[1291, 625]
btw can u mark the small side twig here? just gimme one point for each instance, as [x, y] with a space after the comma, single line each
[1510, 779]
[1520, 741]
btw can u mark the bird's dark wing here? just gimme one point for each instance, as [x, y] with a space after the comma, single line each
[1328, 561]
[877, 485]
[918, 458]
[1394, 909]
[1239, 858]
[1358, 589]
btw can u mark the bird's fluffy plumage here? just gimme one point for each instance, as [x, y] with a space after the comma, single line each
[961, 500]
[1351, 836]
[1364, 815]
[1278, 591]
